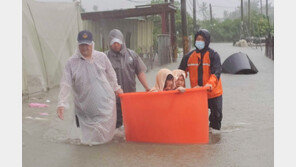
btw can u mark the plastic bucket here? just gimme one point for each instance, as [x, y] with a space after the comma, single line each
[166, 117]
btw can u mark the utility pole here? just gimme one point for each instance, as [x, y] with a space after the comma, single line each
[194, 17]
[268, 19]
[242, 11]
[173, 34]
[249, 15]
[184, 27]
[211, 14]
[242, 19]
[261, 6]
[167, 19]
[266, 8]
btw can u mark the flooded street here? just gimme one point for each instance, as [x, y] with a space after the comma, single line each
[246, 137]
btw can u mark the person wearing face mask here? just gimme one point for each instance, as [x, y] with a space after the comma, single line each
[204, 67]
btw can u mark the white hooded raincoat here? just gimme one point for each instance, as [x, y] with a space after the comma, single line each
[93, 83]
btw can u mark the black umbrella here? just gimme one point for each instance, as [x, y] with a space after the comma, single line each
[239, 63]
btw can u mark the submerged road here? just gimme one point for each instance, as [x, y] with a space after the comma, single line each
[246, 137]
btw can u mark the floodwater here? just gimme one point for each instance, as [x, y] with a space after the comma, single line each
[246, 137]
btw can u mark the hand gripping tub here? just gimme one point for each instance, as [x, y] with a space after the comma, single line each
[166, 117]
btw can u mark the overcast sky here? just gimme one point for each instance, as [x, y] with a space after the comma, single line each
[218, 6]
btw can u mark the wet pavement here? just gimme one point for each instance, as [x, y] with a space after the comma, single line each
[246, 137]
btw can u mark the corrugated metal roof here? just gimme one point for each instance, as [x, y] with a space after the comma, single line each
[142, 10]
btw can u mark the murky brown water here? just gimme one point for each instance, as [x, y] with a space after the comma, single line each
[246, 137]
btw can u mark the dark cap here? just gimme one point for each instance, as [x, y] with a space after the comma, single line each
[84, 37]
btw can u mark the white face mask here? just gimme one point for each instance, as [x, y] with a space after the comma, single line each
[200, 44]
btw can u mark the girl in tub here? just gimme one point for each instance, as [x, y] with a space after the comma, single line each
[179, 80]
[165, 81]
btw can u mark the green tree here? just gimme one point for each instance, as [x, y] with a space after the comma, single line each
[203, 9]
[228, 29]
[225, 30]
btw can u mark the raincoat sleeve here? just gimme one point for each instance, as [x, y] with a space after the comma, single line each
[139, 64]
[65, 87]
[216, 69]
[111, 75]
[183, 65]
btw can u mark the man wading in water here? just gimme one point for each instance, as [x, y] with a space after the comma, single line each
[90, 75]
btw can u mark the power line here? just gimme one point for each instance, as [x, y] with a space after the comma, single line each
[224, 6]
[190, 7]
[197, 3]
[190, 2]
[138, 1]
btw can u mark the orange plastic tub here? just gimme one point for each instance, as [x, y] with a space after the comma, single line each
[166, 117]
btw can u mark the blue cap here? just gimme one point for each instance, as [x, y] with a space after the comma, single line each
[84, 37]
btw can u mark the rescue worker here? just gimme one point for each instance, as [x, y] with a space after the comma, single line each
[204, 67]
[127, 65]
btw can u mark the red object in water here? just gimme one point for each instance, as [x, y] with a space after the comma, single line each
[166, 117]
[38, 105]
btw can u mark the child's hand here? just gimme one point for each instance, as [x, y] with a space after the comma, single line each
[60, 112]
[197, 86]
[181, 89]
[118, 92]
[209, 86]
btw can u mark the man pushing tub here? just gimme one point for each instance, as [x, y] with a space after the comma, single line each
[90, 75]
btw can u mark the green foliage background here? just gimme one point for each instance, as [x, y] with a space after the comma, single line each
[222, 30]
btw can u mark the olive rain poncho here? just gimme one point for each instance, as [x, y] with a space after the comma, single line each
[93, 83]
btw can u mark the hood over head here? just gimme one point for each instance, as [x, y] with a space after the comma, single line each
[160, 79]
[206, 34]
[116, 35]
[177, 73]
